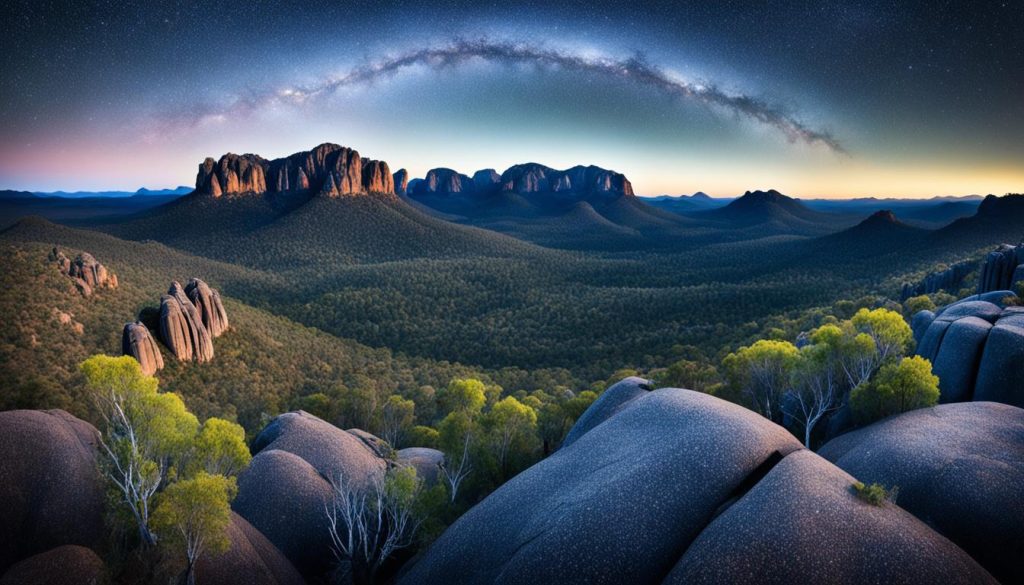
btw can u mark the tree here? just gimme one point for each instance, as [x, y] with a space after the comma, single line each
[763, 373]
[371, 519]
[898, 387]
[220, 448]
[890, 332]
[455, 434]
[144, 432]
[397, 416]
[196, 512]
[688, 374]
[510, 420]
[918, 303]
[464, 395]
[816, 385]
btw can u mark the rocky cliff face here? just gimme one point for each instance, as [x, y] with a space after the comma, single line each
[401, 180]
[87, 274]
[329, 169]
[1002, 269]
[949, 280]
[579, 180]
[138, 343]
[444, 182]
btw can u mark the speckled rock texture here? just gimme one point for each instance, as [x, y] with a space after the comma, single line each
[619, 505]
[51, 492]
[681, 487]
[284, 490]
[63, 565]
[976, 346]
[426, 461]
[803, 523]
[607, 404]
[250, 560]
[138, 343]
[959, 468]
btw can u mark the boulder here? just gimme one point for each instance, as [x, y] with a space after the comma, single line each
[50, 485]
[207, 302]
[138, 343]
[999, 270]
[619, 504]
[63, 565]
[202, 341]
[803, 523]
[607, 405]
[426, 461]
[87, 274]
[175, 329]
[959, 468]
[284, 498]
[976, 346]
[379, 446]
[251, 559]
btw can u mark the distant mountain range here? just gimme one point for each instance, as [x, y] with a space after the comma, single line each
[143, 192]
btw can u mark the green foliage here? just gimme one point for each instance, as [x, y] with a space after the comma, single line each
[875, 493]
[220, 447]
[424, 436]
[397, 416]
[898, 387]
[890, 332]
[467, 396]
[918, 303]
[689, 374]
[195, 514]
[762, 373]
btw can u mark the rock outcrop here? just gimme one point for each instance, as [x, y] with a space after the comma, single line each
[50, 486]
[211, 309]
[138, 343]
[329, 169]
[251, 559]
[64, 565]
[607, 405]
[949, 280]
[87, 274]
[1002, 269]
[401, 180]
[486, 179]
[444, 182]
[282, 493]
[959, 468]
[579, 180]
[976, 347]
[678, 486]
[427, 462]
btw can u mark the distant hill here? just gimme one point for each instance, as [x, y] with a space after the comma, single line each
[18, 204]
[997, 219]
[686, 203]
[767, 213]
[881, 232]
[929, 213]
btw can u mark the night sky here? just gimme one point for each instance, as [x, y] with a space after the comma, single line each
[812, 98]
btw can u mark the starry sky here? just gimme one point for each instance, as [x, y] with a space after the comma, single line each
[814, 98]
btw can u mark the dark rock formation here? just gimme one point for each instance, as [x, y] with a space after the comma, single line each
[486, 179]
[379, 446]
[949, 280]
[976, 347]
[283, 491]
[138, 343]
[607, 405]
[63, 565]
[329, 169]
[426, 461]
[684, 485]
[50, 487]
[1002, 269]
[250, 560]
[211, 309]
[401, 180]
[959, 467]
[201, 340]
[87, 274]
[444, 182]
[803, 523]
[579, 180]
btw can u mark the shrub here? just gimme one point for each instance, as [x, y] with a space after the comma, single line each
[875, 493]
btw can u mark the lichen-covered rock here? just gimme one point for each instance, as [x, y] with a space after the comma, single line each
[62, 565]
[51, 490]
[427, 462]
[976, 346]
[959, 468]
[211, 309]
[138, 343]
[803, 523]
[251, 559]
[610, 402]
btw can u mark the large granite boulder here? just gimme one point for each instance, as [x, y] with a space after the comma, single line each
[251, 559]
[51, 490]
[678, 486]
[619, 504]
[803, 523]
[207, 302]
[284, 491]
[176, 328]
[63, 565]
[611, 401]
[976, 346]
[426, 461]
[959, 468]
[85, 271]
[138, 343]
[202, 341]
